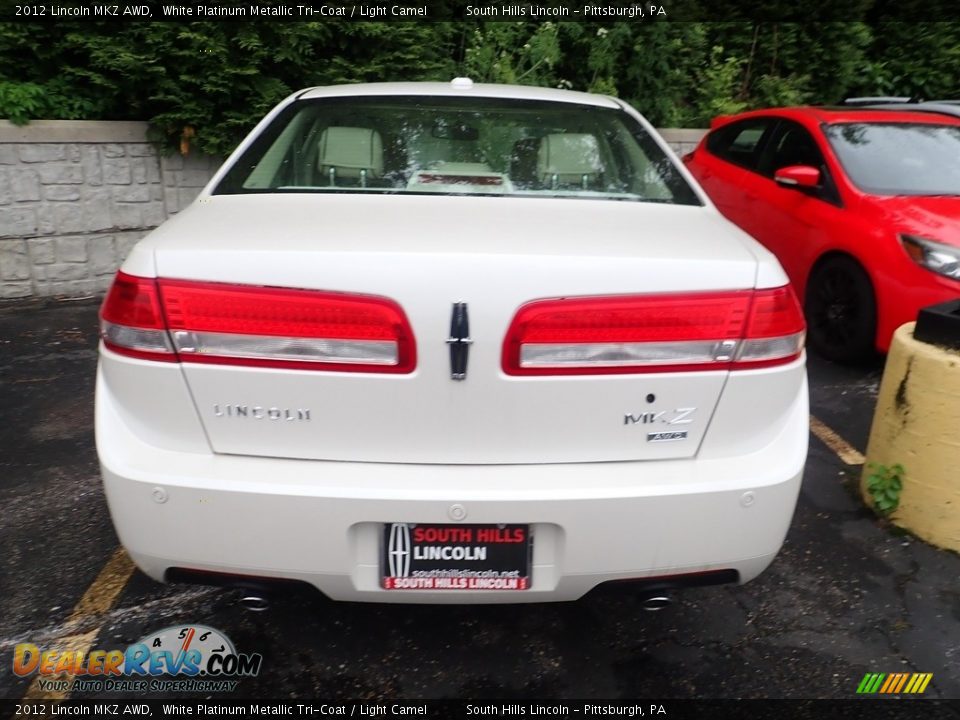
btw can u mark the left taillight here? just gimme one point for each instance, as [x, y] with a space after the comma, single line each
[223, 323]
[131, 320]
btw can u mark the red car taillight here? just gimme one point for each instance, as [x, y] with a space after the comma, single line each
[223, 323]
[131, 320]
[655, 333]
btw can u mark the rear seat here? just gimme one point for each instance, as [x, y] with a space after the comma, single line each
[350, 156]
[569, 160]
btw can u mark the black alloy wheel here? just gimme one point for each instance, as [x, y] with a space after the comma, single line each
[841, 311]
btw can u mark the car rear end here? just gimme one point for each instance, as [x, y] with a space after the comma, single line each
[452, 396]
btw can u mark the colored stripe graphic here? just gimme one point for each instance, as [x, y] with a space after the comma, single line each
[894, 683]
[891, 681]
[870, 683]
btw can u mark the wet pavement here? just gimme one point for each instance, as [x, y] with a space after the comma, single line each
[846, 596]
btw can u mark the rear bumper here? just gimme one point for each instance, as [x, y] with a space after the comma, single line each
[321, 522]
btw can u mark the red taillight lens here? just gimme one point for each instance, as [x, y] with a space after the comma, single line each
[271, 327]
[133, 301]
[654, 333]
[775, 330]
[775, 313]
[131, 319]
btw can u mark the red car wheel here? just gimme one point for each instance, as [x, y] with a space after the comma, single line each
[841, 311]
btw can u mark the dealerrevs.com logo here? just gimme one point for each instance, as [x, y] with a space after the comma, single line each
[190, 658]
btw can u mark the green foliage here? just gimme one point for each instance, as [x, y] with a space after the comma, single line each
[912, 59]
[205, 84]
[213, 79]
[884, 485]
[774, 90]
[720, 81]
[21, 101]
[516, 53]
[663, 69]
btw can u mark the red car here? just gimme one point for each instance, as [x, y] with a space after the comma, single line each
[861, 206]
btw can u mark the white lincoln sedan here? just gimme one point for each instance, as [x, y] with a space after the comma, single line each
[452, 343]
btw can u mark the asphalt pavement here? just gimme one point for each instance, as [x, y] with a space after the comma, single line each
[846, 596]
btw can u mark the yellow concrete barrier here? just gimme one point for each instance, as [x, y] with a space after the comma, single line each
[917, 425]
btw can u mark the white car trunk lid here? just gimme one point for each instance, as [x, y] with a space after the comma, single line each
[492, 254]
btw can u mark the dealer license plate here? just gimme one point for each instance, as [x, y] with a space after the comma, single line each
[455, 557]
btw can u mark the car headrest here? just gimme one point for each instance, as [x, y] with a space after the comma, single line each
[569, 158]
[351, 152]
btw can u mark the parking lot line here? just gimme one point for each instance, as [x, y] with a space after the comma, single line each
[94, 605]
[844, 450]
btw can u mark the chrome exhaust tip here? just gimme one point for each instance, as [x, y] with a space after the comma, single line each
[255, 603]
[654, 603]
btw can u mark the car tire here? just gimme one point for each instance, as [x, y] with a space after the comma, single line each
[841, 311]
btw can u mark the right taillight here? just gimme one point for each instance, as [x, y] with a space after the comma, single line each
[775, 329]
[223, 323]
[655, 333]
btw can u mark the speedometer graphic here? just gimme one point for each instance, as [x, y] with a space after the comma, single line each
[188, 646]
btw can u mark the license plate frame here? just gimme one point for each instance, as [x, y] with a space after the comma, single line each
[445, 556]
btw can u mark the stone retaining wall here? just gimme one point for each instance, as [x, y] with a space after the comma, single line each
[682, 140]
[76, 195]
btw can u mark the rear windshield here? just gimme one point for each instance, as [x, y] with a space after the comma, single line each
[457, 146]
[899, 158]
